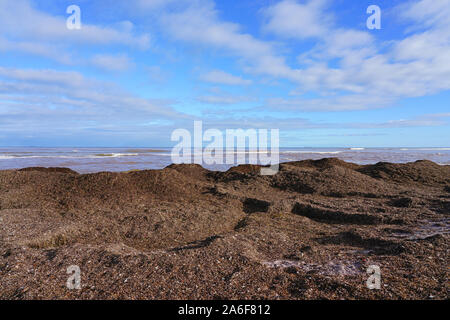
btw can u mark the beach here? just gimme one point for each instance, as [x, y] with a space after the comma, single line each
[311, 231]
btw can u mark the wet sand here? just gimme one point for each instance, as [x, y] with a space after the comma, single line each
[308, 232]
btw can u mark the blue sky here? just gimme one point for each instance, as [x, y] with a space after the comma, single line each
[138, 69]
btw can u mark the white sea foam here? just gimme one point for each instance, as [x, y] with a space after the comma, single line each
[96, 156]
[425, 149]
[264, 152]
[312, 152]
[116, 155]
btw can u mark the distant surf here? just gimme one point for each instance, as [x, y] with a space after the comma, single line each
[87, 160]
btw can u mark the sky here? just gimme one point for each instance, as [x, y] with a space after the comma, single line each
[137, 70]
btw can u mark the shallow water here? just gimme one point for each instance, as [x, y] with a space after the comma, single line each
[333, 268]
[425, 229]
[86, 160]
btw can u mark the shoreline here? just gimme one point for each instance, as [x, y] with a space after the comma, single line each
[63, 168]
[125, 159]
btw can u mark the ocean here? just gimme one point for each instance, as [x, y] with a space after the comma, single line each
[89, 160]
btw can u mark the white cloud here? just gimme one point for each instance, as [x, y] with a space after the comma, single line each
[39, 49]
[199, 23]
[125, 26]
[430, 13]
[112, 62]
[337, 103]
[291, 19]
[223, 99]
[53, 77]
[426, 120]
[416, 66]
[221, 77]
[364, 74]
[31, 92]
[18, 19]
[157, 74]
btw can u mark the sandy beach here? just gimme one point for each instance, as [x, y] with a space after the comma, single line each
[184, 232]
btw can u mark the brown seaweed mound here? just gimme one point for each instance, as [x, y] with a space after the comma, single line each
[185, 232]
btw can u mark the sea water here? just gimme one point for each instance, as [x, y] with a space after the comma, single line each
[88, 160]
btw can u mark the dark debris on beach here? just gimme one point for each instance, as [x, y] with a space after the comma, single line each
[308, 232]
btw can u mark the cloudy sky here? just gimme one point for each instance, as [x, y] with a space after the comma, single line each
[138, 69]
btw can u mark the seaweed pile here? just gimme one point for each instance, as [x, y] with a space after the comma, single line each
[183, 232]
